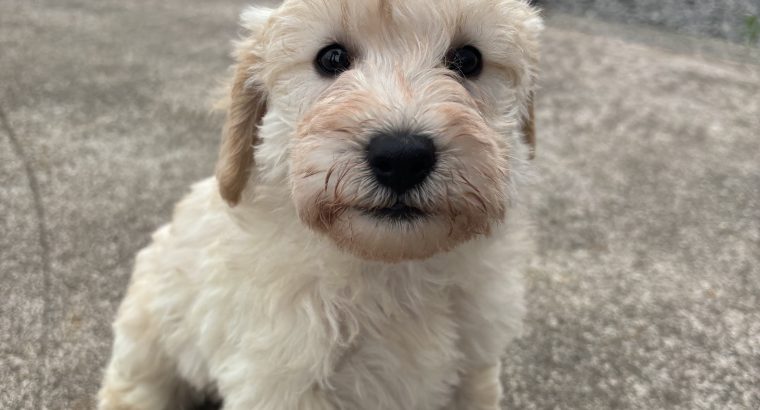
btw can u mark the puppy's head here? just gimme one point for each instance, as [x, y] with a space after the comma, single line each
[397, 125]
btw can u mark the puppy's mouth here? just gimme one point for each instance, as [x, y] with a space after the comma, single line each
[397, 212]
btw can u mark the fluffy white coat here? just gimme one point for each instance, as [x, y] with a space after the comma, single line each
[252, 304]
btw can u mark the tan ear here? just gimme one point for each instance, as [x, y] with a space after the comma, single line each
[246, 108]
[529, 127]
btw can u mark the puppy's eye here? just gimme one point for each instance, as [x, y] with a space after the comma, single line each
[333, 60]
[467, 61]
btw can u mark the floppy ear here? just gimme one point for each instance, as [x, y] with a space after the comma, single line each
[246, 107]
[533, 25]
[529, 127]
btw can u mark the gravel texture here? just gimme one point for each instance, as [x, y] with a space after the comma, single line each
[644, 290]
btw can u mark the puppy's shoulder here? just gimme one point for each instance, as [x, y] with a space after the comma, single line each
[202, 204]
[198, 219]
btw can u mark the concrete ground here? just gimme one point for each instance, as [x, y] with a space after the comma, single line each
[645, 289]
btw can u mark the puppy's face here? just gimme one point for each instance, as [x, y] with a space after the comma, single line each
[398, 124]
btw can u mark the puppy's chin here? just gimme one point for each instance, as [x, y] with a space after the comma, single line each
[397, 235]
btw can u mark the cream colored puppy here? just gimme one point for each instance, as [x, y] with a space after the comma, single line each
[360, 245]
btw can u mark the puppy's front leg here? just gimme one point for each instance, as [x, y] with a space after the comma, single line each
[480, 389]
[490, 317]
[140, 376]
[290, 371]
[286, 396]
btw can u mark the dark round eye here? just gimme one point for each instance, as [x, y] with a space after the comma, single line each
[333, 60]
[467, 61]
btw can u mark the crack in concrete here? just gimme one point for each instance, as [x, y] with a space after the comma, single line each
[44, 248]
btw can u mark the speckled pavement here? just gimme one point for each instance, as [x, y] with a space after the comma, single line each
[644, 290]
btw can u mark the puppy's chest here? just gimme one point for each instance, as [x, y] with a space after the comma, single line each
[404, 356]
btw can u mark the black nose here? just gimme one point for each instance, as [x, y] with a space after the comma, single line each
[401, 161]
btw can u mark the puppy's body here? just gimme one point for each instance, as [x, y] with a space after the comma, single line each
[284, 320]
[311, 291]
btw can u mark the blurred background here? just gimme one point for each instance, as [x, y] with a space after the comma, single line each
[643, 292]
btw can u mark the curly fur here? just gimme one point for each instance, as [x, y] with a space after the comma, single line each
[273, 289]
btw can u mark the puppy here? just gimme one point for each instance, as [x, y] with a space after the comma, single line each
[361, 243]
